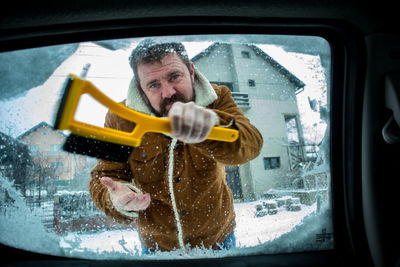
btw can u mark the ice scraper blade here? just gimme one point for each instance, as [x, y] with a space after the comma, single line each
[89, 139]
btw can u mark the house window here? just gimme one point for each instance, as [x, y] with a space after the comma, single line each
[34, 150]
[54, 149]
[272, 163]
[57, 165]
[245, 54]
[292, 129]
[252, 83]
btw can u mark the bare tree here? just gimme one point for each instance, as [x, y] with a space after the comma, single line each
[43, 172]
[15, 161]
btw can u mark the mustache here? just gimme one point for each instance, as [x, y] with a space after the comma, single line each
[177, 97]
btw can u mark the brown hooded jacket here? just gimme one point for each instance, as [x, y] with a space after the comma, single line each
[191, 203]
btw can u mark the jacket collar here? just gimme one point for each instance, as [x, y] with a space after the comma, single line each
[204, 92]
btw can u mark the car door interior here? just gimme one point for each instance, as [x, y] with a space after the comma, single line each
[380, 159]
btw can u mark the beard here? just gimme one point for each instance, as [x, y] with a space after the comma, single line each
[167, 103]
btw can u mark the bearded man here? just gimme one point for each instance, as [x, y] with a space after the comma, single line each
[173, 187]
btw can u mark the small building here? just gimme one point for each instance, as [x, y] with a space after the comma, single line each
[45, 146]
[266, 92]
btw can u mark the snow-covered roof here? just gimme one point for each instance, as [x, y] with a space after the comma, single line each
[281, 69]
[34, 128]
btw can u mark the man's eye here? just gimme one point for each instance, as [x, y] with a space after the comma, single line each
[153, 86]
[174, 77]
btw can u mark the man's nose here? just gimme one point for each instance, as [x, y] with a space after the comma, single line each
[167, 90]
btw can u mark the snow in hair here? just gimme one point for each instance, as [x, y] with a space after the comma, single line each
[151, 50]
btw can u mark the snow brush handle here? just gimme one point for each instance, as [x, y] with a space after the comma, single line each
[75, 87]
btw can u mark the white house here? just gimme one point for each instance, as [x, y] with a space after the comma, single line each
[266, 92]
[45, 146]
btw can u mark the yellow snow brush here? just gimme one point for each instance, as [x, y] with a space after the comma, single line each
[107, 143]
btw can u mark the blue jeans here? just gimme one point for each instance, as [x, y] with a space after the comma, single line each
[229, 242]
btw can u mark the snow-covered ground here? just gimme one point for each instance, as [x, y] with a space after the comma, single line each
[280, 233]
[250, 231]
[120, 241]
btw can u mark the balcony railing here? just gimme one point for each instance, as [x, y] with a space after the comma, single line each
[301, 153]
[242, 99]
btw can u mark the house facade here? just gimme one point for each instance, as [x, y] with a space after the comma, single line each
[45, 146]
[266, 92]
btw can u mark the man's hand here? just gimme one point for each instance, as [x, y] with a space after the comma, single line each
[124, 198]
[190, 123]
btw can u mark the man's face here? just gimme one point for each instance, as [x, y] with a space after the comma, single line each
[166, 82]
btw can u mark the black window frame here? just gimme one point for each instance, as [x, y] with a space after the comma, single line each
[246, 54]
[252, 83]
[272, 163]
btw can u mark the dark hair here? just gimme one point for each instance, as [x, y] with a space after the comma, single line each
[150, 51]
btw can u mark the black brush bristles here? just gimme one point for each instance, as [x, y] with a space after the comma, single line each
[98, 149]
[66, 88]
